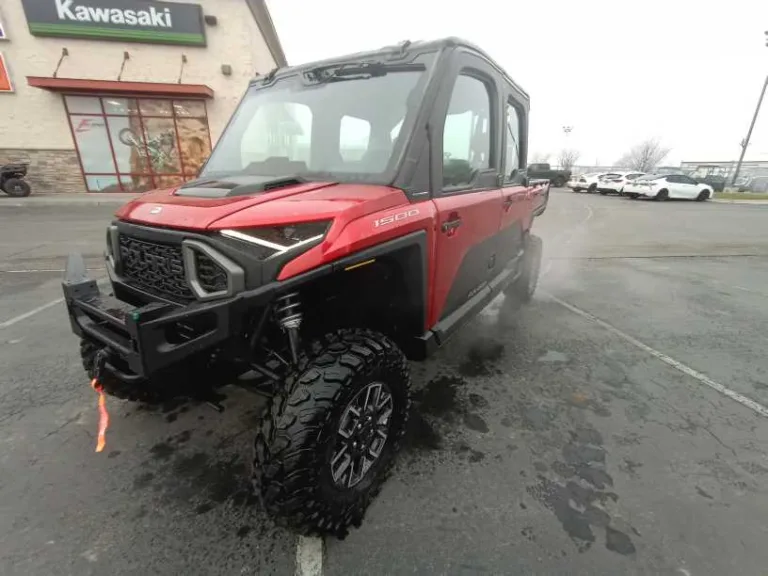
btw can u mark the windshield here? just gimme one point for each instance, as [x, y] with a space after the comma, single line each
[338, 123]
[652, 177]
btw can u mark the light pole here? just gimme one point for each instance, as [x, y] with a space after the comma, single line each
[745, 142]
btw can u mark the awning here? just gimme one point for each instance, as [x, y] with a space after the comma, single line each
[82, 86]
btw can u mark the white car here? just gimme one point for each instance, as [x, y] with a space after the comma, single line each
[586, 182]
[614, 182]
[665, 186]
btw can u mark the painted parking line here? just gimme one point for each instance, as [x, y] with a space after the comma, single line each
[309, 556]
[676, 364]
[32, 312]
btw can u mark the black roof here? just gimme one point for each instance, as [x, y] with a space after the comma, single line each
[406, 47]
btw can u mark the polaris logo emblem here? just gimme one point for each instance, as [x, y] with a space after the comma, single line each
[156, 210]
[395, 218]
[67, 10]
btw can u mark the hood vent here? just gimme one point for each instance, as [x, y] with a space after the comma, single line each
[236, 186]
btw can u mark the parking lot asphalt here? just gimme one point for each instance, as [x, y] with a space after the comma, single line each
[612, 426]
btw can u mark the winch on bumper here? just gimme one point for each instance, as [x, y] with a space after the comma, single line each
[181, 298]
[142, 340]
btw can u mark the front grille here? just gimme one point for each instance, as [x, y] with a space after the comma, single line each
[212, 277]
[155, 268]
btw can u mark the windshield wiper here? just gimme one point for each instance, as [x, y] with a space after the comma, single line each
[357, 71]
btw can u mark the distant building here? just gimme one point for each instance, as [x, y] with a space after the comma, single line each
[127, 97]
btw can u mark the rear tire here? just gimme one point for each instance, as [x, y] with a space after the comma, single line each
[296, 449]
[522, 289]
[559, 183]
[592, 188]
[17, 187]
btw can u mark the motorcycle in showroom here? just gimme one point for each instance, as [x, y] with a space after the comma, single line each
[12, 180]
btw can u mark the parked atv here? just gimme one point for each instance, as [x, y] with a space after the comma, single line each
[12, 180]
[321, 259]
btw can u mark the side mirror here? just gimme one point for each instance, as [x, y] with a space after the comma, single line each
[519, 176]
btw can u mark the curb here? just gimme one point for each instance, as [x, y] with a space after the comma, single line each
[68, 199]
[742, 202]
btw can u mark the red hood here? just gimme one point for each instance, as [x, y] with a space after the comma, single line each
[297, 203]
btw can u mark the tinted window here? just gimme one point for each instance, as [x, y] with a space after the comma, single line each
[467, 132]
[633, 176]
[512, 135]
[675, 179]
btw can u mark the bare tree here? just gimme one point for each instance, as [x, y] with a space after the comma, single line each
[644, 157]
[568, 158]
[540, 157]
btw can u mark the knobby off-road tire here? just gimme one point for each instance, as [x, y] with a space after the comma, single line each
[299, 434]
[521, 290]
[17, 187]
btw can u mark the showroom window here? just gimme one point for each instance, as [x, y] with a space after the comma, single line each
[137, 144]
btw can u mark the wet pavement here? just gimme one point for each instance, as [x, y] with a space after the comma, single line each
[544, 441]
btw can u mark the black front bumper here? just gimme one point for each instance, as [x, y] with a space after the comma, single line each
[143, 340]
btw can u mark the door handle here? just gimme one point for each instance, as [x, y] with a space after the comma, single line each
[449, 226]
[508, 201]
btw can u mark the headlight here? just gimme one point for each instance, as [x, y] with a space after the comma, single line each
[279, 239]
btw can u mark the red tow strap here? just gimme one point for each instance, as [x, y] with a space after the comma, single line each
[103, 415]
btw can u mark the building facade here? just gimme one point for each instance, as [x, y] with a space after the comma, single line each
[124, 95]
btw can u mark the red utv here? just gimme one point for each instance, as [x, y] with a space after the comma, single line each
[354, 213]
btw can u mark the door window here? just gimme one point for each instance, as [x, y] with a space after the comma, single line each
[512, 135]
[467, 135]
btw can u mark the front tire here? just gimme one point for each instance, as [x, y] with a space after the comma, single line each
[559, 182]
[17, 187]
[662, 196]
[592, 188]
[703, 195]
[323, 418]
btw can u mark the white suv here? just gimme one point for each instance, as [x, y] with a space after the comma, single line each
[586, 182]
[614, 182]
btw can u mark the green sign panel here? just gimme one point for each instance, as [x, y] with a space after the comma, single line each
[126, 20]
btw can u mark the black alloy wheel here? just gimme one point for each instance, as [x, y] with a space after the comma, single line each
[329, 437]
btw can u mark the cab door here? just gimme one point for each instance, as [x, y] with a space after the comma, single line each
[518, 194]
[465, 189]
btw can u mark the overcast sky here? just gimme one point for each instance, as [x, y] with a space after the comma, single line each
[618, 72]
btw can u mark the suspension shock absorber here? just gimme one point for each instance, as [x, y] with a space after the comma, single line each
[288, 314]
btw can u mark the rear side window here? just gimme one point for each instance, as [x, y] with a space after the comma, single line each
[512, 135]
[467, 136]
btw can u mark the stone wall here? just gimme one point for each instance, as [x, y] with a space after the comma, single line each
[50, 171]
